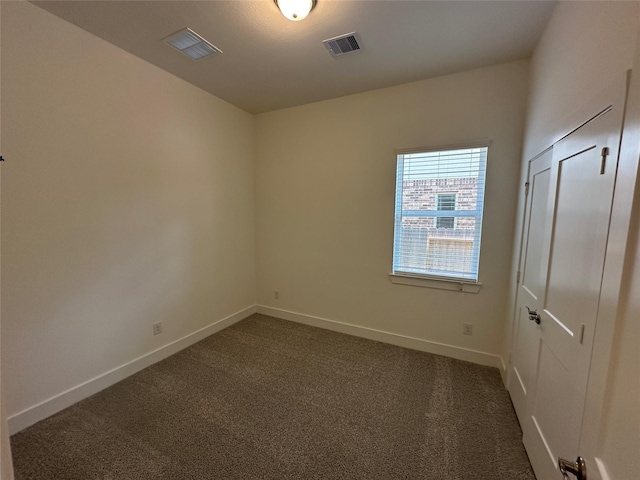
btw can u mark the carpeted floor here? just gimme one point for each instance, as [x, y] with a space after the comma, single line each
[271, 399]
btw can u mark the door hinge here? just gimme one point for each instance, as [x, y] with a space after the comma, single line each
[518, 277]
[605, 153]
[526, 188]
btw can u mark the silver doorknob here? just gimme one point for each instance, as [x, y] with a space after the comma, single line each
[579, 468]
[534, 316]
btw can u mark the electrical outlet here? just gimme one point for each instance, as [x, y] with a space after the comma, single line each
[467, 328]
[157, 328]
[276, 294]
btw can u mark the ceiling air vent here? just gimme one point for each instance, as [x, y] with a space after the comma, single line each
[342, 44]
[191, 44]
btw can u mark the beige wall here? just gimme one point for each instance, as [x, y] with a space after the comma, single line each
[325, 179]
[127, 199]
[586, 46]
[6, 464]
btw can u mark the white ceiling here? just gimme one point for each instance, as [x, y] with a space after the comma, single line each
[270, 62]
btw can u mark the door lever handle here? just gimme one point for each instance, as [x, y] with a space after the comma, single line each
[534, 316]
[579, 468]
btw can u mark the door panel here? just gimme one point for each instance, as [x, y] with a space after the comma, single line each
[539, 187]
[554, 384]
[579, 240]
[525, 350]
[525, 366]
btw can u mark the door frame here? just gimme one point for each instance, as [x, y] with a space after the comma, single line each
[613, 276]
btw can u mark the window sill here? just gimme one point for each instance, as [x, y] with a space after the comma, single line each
[439, 283]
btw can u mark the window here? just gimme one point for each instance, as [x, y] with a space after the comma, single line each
[438, 213]
[446, 201]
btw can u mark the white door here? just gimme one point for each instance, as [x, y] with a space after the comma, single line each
[568, 216]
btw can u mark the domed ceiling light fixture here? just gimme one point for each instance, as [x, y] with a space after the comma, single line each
[295, 10]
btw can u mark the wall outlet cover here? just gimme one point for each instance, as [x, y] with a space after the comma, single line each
[157, 328]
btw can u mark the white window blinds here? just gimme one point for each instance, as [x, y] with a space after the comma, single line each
[438, 213]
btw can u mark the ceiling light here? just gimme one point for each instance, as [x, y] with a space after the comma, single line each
[295, 10]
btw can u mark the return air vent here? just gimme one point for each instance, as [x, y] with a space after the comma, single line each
[191, 44]
[342, 44]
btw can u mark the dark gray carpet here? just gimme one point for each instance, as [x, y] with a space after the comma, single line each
[271, 399]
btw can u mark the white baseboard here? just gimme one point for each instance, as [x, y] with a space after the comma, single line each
[503, 370]
[42, 410]
[473, 356]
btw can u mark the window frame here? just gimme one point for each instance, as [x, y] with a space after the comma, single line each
[455, 207]
[447, 282]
